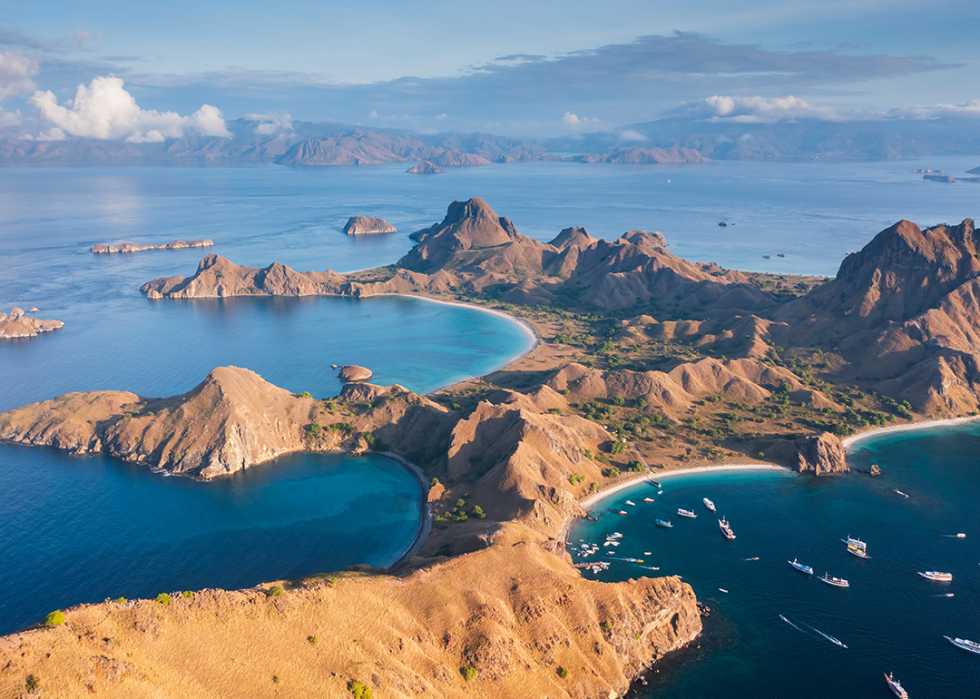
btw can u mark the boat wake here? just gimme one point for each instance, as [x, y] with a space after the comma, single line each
[791, 623]
[825, 635]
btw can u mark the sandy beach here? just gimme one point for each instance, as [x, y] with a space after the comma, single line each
[924, 425]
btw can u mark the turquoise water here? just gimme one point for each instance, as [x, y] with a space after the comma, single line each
[83, 529]
[890, 618]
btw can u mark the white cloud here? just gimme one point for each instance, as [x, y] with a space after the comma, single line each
[758, 109]
[270, 124]
[373, 115]
[15, 75]
[52, 134]
[630, 135]
[106, 111]
[968, 110]
[575, 120]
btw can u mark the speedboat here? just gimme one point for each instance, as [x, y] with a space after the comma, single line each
[836, 582]
[896, 686]
[971, 646]
[904, 495]
[710, 505]
[647, 499]
[655, 484]
[686, 513]
[800, 567]
[726, 528]
[860, 553]
[856, 543]
[621, 512]
[631, 503]
[937, 576]
[665, 523]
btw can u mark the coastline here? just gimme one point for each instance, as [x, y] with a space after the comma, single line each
[911, 427]
[425, 509]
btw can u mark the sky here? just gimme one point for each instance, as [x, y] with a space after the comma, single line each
[149, 71]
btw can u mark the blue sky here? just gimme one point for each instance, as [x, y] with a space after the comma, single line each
[507, 67]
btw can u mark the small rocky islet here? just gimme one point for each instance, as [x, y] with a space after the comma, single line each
[17, 325]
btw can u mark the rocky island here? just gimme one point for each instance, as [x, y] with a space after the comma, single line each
[364, 225]
[17, 325]
[132, 247]
[645, 361]
[424, 167]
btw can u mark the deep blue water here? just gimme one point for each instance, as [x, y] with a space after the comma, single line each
[890, 618]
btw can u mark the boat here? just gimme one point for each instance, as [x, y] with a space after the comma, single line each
[800, 567]
[721, 589]
[631, 503]
[961, 535]
[904, 495]
[615, 535]
[686, 513]
[710, 505]
[621, 512]
[655, 484]
[648, 553]
[836, 582]
[726, 528]
[665, 524]
[971, 646]
[937, 576]
[856, 543]
[858, 552]
[647, 499]
[896, 686]
[765, 257]
[782, 254]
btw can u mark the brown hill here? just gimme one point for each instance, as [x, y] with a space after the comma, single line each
[424, 167]
[17, 325]
[362, 225]
[358, 148]
[637, 155]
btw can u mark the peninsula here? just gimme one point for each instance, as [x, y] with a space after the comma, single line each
[645, 361]
[132, 247]
[15, 325]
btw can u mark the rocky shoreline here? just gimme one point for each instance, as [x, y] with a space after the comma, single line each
[132, 247]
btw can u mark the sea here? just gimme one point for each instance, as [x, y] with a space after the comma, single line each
[81, 529]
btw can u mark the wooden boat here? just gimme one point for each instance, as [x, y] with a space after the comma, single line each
[686, 513]
[655, 484]
[665, 523]
[856, 543]
[726, 528]
[710, 505]
[855, 551]
[836, 582]
[971, 646]
[896, 686]
[800, 567]
[937, 576]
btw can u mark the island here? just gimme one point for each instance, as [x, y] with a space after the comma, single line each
[353, 372]
[364, 225]
[16, 325]
[645, 363]
[132, 247]
[424, 167]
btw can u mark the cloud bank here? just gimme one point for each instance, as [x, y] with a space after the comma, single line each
[757, 110]
[15, 75]
[105, 110]
[271, 124]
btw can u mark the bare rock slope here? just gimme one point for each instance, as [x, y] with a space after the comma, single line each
[17, 325]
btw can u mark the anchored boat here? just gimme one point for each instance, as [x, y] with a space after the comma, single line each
[896, 686]
[726, 528]
[800, 567]
[937, 576]
[631, 503]
[856, 543]
[647, 499]
[964, 644]
[665, 523]
[860, 553]
[836, 582]
[686, 513]
[710, 505]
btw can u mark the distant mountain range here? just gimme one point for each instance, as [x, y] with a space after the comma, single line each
[671, 140]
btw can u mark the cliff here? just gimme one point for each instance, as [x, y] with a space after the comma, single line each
[363, 225]
[17, 325]
[132, 247]
[821, 455]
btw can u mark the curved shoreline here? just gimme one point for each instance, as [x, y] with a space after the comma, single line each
[911, 427]
[425, 507]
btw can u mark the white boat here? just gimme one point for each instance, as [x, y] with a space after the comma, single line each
[686, 513]
[971, 646]
[726, 528]
[860, 553]
[856, 543]
[621, 512]
[937, 576]
[710, 505]
[631, 503]
[800, 567]
[836, 582]
[904, 495]
[896, 686]
[647, 499]
[615, 535]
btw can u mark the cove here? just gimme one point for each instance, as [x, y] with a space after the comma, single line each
[81, 529]
[890, 618]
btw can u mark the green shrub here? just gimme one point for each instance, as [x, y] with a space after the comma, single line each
[305, 394]
[333, 582]
[433, 483]
[163, 598]
[606, 625]
[636, 466]
[314, 429]
[275, 679]
[359, 690]
[555, 411]
[32, 684]
[619, 400]
[187, 593]
[313, 640]
[563, 673]
[121, 600]
[641, 402]
[618, 447]
[468, 673]
[330, 405]
[575, 479]
[611, 472]
[276, 591]
[55, 618]
[477, 511]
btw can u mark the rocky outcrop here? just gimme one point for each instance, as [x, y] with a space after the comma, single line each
[821, 455]
[353, 372]
[132, 247]
[455, 158]
[424, 167]
[365, 225]
[637, 155]
[15, 325]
